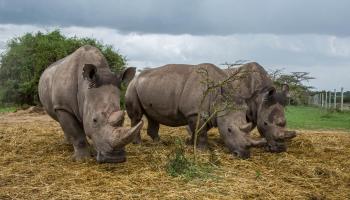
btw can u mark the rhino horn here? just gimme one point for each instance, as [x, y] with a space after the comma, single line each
[289, 134]
[258, 143]
[123, 136]
[246, 127]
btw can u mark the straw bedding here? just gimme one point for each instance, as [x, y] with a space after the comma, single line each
[35, 163]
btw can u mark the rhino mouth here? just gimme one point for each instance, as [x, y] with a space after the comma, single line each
[242, 154]
[116, 156]
[276, 146]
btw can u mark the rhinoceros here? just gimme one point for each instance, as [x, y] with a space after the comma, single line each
[265, 105]
[171, 95]
[83, 95]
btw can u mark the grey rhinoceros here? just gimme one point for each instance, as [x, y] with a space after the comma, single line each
[82, 94]
[265, 105]
[171, 95]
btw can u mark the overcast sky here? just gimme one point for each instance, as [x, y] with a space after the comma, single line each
[297, 35]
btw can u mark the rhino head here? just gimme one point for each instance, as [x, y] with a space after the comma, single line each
[267, 112]
[234, 130]
[102, 116]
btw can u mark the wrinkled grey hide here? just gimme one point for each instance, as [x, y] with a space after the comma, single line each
[266, 106]
[82, 94]
[171, 95]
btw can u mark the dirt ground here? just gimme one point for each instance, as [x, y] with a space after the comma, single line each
[35, 163]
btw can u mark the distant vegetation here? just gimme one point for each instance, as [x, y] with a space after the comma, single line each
[299, 92]
[7, 109]
[301, 117]
[27, 56]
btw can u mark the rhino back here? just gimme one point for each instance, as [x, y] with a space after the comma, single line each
[194, 89]
[251, 77]
[61, 84]
[172, 93]
[159, 91]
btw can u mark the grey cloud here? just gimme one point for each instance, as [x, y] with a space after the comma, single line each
[198, 17]
[326, 57]
[2, 44]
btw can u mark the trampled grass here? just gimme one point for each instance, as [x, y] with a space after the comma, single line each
[35, 163]
[313, 118]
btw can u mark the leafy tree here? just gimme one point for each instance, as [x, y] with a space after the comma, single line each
[27, 56]
[296, 81]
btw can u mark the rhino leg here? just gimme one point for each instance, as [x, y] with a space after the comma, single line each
[202, 138]
[67, 139]
[134, 122]
[134, 110]
[152, 129]
[75, 134]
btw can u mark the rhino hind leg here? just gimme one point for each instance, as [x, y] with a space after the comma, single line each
[134, 122]
[202, 138]
[75, 135]
[153, 129]
[135, 114]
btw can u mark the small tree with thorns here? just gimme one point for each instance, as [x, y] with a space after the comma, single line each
[221, 101]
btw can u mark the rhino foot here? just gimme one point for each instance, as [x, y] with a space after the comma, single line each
[156, 139]
[81, 155]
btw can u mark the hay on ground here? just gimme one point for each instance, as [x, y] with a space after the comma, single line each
[35, 163]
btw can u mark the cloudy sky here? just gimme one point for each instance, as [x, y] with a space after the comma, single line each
[296, 35]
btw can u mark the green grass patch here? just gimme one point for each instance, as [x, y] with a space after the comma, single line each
[302, 117]
[8, 109]
[180, 166]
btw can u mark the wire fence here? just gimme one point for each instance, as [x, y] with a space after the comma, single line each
[329, 100]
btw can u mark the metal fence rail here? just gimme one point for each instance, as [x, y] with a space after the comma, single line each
[328, 100]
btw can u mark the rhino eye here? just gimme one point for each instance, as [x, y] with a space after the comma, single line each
[229, 130]
[94, 120]
[265, 123]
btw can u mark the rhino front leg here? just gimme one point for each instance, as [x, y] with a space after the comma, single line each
[67, 139]
[75, 133]
[202, 137]
[153, 129]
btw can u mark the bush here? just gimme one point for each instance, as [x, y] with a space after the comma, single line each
[179, 165]
[27, 57]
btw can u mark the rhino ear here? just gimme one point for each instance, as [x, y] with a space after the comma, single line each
[285, 90]
[127, 75]
[269, 95]
[271, 91]
[90, 74]
[246, 127]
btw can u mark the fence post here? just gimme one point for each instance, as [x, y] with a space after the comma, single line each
[330, 99]
[326, 100]
[315, 100]
[335, 99]
[342, 99]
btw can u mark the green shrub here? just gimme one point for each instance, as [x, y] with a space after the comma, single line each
[180, 166]
[27, 56]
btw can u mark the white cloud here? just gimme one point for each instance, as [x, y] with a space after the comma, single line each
[321, 55]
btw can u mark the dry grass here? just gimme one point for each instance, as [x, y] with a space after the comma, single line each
[36, 164]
